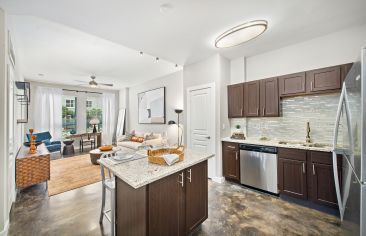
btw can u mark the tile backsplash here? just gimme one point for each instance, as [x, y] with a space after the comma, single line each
[319, 110]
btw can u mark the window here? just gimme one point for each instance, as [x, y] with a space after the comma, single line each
[70, 103]
[69, 114]
[89, 104]
[94, 110]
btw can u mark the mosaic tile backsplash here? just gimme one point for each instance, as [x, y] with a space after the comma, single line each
[319, 110]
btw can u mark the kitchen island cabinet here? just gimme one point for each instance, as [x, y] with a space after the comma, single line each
[161, 200]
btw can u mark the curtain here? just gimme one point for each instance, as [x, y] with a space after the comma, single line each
[47, 111]
[109, 117]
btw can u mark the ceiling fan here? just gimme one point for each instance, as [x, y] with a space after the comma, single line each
[94, 83]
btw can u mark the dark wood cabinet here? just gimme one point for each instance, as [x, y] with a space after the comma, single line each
[252, 98]
[269, 99]
[324, 79]
[308, 175]
[322, 187]
[345, 68]
[235, 100]
[231, 161]
[173, 205]
[196, 196]
[290, 85]
[166, 194]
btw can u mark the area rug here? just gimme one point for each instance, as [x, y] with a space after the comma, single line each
[71, 173]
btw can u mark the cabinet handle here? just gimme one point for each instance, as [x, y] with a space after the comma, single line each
[232, 147]
[264, 110]
[303, 167]
[313, 169]
[236, 155]
[181, 182]
[257, 111]
[241, 111]
[190, 175]
[311, 86]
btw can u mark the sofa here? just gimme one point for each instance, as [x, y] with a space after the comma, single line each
[152, 139]
[45, 137]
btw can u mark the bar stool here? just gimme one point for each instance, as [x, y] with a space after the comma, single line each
[108, 184]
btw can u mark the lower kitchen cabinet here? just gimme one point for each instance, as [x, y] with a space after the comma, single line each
[231, 161]
[307, 175]
[292, 178]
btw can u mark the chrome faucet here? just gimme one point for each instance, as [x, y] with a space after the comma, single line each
[308, 139]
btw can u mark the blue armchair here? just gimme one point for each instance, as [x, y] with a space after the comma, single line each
[45, 137]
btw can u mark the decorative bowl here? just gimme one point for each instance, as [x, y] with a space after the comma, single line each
[106, 148]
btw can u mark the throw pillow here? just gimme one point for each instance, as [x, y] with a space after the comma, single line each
[150, 136]
[137, 139]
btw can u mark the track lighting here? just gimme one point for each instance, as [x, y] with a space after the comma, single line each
[141, 53]
[157, 59]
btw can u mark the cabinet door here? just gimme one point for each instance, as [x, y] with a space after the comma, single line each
[344, 71]
[323, 79]
[293, 84]
[166, 206]
[269, 99]
[235, 100]
[292, 178]
[196, 196]
[323, 189]
[231, 161]
[251, 98]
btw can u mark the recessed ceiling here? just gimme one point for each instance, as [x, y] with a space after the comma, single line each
[185, 31]
[54, 53]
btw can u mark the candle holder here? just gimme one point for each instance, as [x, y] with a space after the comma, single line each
[32, 147]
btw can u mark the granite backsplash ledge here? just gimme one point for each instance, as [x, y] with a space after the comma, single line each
[319, 110]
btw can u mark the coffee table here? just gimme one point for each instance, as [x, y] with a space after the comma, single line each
[96, 154]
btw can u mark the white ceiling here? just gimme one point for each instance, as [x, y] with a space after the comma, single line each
[183, 33]
[186, 31]
[65, 55]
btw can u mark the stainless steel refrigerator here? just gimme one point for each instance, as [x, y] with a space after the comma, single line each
[350, 144]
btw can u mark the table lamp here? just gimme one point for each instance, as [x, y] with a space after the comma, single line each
[94, 121]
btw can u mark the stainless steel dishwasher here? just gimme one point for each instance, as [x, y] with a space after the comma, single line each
[258, 167]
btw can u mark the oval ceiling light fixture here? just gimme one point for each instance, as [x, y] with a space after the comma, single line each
[241, 34]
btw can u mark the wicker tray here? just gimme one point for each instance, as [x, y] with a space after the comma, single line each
[155, 156]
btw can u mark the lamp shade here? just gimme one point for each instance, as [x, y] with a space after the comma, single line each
[94, 121]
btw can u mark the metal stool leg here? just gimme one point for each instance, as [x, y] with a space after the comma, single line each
[103, 196]
[113, 209]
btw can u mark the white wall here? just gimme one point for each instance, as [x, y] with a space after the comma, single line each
[173, 84]
[7, 161]
[215, 69]
[332, 49]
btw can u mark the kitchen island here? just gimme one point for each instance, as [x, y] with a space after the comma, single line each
[161, 200]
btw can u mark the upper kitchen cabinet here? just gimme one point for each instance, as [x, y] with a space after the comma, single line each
[323, 80]
[269, 99]
[235, 94]
[252, 98]
[290, 85]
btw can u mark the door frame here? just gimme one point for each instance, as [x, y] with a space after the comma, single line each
[212, 86]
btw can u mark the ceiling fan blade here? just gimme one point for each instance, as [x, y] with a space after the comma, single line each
[82, 81]
[106, 84]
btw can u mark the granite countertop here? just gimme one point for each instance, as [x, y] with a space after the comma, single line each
[138, 173]
[275, 143]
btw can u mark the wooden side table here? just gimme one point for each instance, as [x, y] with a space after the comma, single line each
[32, 169]
[68, 148]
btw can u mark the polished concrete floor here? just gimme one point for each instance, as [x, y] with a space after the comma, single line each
[233, 210]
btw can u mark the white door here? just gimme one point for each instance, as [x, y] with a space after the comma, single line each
[201, 123]
[10, 132]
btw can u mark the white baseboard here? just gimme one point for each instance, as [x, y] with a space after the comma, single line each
[217, 179]
[4, 232]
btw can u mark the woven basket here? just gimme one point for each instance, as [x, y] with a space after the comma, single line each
[32, 170]
[155, 156]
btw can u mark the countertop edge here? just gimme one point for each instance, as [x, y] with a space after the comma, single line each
[151, 180]
[272, 144]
